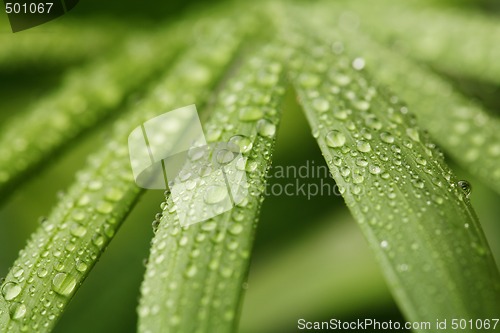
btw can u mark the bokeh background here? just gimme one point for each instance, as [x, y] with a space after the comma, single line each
[310, 260]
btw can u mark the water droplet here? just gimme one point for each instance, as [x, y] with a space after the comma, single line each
[104, 207]
[384, 244]
[418, 183]
[358, 63]
[78, 230]
[374, 123]
[413, 134]
[17, 311]
[191, 271]
[308, 80]
[114, 194]
[375, 169]
[321, 105]
[81, 266]
[342, 80]
[335, 139]
[345, 171]
[243, 142]
[251, 114]
[42, 272]
[63, 284]
[17, 271]
[236, 229]
[363, 146]
[386, 137]
[465, 186]
[341, 114]
[224, 156]
[10, 291]
[266, 128]
[213, 134]
[215, 194]
[95, 185]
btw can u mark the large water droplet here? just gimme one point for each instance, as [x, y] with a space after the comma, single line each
[465, 186]
[335, 139]
[413, 134]
[243, 142]
[215, 194]
[78, 230]
[17, 311]
[358, 63]
[266, 128]
[321, 105]
[10, 291]
[387, 137]
[251, 114]
[191, 271]
[363, 146]
[224, 156]
[63, 284]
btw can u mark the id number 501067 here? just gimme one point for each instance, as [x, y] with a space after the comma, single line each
[28, 8]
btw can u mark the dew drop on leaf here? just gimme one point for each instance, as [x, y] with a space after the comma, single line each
[215, 194]
[413, 134]
[321, 105]
[251, 114]
[266, 128]
[363, 146]
[63, 284]
[17, 311]
[244, 143]
[465, 186]
[335, 139]
[386, 137]
[10, 291]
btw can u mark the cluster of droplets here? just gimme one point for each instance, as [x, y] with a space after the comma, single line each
[244, 119]
[374, 148]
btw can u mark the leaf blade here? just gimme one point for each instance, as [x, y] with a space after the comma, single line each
[205, 264]
[410, 204]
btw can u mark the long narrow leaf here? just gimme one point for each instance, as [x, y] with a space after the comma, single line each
[195, 273]
[62, 251]
[460, 126]
[87, 96]
[410, 206]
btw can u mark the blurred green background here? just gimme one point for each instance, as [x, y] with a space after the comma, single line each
[310, 260]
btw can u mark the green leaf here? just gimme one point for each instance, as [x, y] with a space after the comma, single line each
[62, 251]
[195, 273]
[58, 44]
[456, 41]
[273, 303]
[87, 95]
[470, 135]
[410, 206]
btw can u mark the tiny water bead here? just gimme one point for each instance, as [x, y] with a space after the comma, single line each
[335, 139]
[465, 186]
